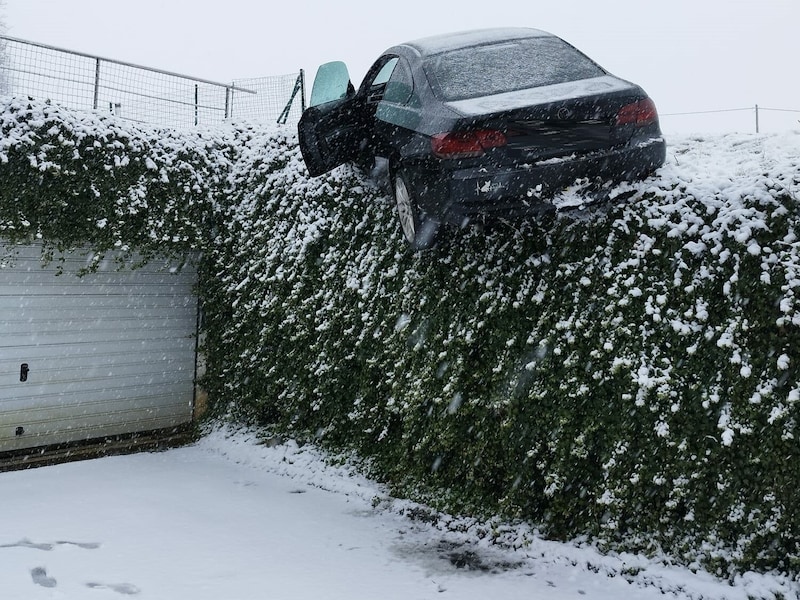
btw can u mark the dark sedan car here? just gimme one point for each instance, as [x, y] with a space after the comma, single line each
[486, 122]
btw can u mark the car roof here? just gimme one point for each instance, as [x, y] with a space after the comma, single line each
[474, 37]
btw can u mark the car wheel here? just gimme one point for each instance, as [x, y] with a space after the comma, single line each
[419, 230]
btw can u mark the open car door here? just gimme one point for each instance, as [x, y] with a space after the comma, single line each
[331, 129]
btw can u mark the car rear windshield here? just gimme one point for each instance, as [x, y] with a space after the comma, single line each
[506, 67]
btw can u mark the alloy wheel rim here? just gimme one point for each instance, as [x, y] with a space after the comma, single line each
[405, 209]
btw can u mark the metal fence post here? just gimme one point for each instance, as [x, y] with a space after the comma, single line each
[96, 83]
[302, 91]
[757, 118]
[298, 87]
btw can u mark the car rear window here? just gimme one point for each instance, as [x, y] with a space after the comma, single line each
[506, 67]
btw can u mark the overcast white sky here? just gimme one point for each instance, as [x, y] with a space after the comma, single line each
[689, 55]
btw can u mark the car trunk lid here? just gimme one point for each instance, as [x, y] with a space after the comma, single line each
[553, 121]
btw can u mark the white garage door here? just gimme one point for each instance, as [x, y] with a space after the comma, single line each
[109, 353]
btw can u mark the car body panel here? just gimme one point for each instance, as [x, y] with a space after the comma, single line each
[522, 190]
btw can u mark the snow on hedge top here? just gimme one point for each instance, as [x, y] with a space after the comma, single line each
[726, 173]
[723, 172]
[68, 162]
[735, 177]
[21, 121]
[720, 171]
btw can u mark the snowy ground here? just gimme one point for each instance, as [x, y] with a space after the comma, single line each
[229, 518]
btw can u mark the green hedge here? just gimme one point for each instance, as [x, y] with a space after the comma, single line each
[604, 378]
[70, 179]
[628, 375]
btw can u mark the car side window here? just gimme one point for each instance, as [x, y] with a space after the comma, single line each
[386, 72]
[400, 85]
[377, 85]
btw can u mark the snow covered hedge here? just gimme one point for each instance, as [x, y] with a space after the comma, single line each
[630, 375]
[70, 178]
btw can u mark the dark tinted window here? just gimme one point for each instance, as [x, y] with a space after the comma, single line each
[506, 67]
[400, 85]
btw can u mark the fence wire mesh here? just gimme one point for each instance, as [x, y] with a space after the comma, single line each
[277, 99]
[137, 93]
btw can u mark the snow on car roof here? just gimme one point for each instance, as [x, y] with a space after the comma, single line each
[475, 37]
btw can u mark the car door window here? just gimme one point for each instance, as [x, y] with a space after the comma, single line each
[332, 82]
[401, 103]
[386, 72]
[400, 86]
[377, 86]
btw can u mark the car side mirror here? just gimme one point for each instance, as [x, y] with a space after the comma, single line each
[332, 82]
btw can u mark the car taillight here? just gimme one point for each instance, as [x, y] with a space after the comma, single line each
[466, 144]
[638, 113]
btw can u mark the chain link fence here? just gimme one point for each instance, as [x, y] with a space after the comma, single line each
[142, 94]
[280, 98]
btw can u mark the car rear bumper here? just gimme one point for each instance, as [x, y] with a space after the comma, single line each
[525, 190]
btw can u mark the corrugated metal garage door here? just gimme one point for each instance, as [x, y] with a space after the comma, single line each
[110, 353]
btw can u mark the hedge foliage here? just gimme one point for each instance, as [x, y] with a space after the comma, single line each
[69, 179]
[629, 374]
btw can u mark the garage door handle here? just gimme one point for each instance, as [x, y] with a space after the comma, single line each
[23, 372]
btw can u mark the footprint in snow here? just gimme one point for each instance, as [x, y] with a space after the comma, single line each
[127, 589]
[84, 545]
[26, 543]
[39, 576]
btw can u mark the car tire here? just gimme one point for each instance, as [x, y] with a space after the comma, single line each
[419, 230]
